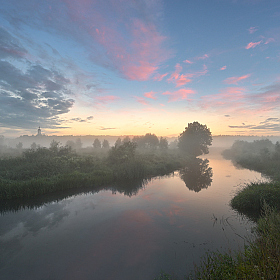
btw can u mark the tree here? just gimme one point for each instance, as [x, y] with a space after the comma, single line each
[96, 144]
[126, 139]
[19, 145]
[105, 144]
[149, 141]
[163, 144]
[122, 153]
[118, 142]
[33, 146]
[71, 144]
[195, 140]
[54, 146]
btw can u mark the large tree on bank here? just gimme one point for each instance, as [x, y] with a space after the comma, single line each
[194, 141]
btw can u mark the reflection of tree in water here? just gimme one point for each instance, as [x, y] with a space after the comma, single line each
[197, 175]
[128, 188]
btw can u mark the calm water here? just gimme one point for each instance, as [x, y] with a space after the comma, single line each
[166, 225]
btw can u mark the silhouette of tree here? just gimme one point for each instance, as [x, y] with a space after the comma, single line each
[54, 146]
[195, 139]
[33, 146]
[118, 142]
[122, 153]
[19, 145]
[149, 141]
[197, 175]
[277, 150]
[126, 139]
[96, 144]
[163, 144]
[71, 144]
[105, 144]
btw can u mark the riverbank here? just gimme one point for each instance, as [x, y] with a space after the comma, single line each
[41, 171]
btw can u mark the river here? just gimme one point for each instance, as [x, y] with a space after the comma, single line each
[167, 224]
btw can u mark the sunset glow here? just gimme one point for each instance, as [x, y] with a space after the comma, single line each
[80, 67]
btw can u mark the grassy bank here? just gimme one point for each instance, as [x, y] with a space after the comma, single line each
[42, 171]
[259, 260]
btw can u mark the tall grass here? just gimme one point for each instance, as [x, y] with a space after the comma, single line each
[259, 260]
[250, 199]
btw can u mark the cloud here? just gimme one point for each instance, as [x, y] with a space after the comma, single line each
[141, 100]
[252, 45]
[10, 46]
[106, 99]
[188, 61]
[150, 94]
[239, 100]
[182, 79]
[120, 35]
[223, 68]
[268, 98]
[235, 80]
[180, 94]
[252, 29]
[270, 125]
[203, 57]
[36, 96]
[106, 128]
[231, 98]
[82, 120]
[269, 40]
[159, 77]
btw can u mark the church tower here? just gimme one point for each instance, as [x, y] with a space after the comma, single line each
[39, 132]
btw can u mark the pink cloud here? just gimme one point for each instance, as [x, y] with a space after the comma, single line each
[159, 77]
[269, 40]
[235, 80]
[188, 61]
[141, 100]
[118, 36]
[182, 79]
[106, 99]
[252, 30]
[203, 57]
[252, 45]
[231, 98]
[223, 68]
[150, 94]
[180, 94]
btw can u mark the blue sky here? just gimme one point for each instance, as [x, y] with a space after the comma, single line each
[123, 67]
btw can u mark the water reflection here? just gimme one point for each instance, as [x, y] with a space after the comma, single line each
[129, 188]
[197, 175]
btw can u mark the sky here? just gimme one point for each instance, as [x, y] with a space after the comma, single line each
[131, 67]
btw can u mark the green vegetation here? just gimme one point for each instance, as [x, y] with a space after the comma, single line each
[195, 139]
[250, 199]
[44, 170]
[259, 260]
[262, 156]
[37, 171]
